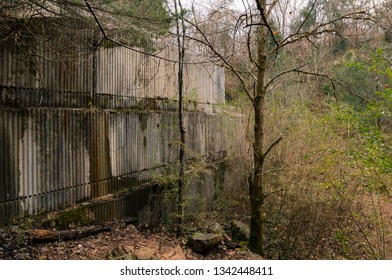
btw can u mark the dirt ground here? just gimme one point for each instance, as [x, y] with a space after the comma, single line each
[121, 242]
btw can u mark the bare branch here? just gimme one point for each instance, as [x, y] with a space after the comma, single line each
[128, 47]
[307, 16]
[310, 41]
[273, 192]
[272, 146]
[332, 81]
[207, 43]
[353, 92]
[248, 44]
[278, 169]
[281, 74]
[319, 75]
[265, 20]
[271, 7]
[318, 30]
[96, 19]
[353, 216]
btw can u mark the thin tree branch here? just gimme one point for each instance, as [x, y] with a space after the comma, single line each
[272, 146]
[348, 209]
[263, 16]
[248, 44]
[271, 7]
[318, 29]
[319, 75]
[333, 81]
[270, 82]
[310, 41]
[128, 47]
[96, 19]
[207, 43]
[307, 16]
[277, 169]
[273, 192]
[352, 92]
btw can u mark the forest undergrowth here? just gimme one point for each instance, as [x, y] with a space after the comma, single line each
[328, 182]
[327, 186]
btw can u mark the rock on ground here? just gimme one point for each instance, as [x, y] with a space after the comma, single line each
[240, 231]
[204, 242]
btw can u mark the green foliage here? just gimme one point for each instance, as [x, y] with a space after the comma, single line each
[134, 22]
[192, 97]
[366, 79]
[334, 160]
[343, 239]
[140, 20]
[382, 103]
[369, 155]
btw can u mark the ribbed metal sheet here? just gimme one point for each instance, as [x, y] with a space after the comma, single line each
[64, 139]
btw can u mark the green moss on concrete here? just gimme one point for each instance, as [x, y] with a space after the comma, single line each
[81, 216]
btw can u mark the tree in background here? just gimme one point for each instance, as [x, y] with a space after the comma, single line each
[180, 30]
[256, 48]
[135, 22]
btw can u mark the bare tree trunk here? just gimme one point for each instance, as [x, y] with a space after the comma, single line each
[181, 53]
[256, 191]
[257, 93]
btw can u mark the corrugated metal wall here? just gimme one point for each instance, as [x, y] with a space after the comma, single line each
[87, 124]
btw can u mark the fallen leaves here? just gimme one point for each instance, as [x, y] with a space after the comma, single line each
[123, 241]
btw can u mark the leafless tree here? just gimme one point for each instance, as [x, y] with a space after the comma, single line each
[255, 33]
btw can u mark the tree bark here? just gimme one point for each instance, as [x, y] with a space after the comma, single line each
[44, 236]
[181, 54]
[256, 190]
